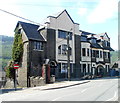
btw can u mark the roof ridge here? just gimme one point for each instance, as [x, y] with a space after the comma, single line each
[28, 23]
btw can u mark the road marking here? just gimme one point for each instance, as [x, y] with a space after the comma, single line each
[84, 90]
[115, 97]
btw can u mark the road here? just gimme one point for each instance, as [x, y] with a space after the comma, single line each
[95, 90]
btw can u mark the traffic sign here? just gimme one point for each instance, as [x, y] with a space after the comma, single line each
[16, 66]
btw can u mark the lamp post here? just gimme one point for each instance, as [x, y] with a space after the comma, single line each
[68, 55]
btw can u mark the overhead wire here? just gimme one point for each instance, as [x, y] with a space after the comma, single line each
[20, 17]
[25, 19]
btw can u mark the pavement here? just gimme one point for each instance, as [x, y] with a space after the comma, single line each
[56, 85]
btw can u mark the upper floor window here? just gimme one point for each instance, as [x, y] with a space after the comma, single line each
[83, 51]
[59, 49]
[62, 49]
[97, 53]
[38, 45]
[93, 53]
[63, 34]
[93, 40]
[105, 54]
[101, 53]
[107, 43]
[88, 52]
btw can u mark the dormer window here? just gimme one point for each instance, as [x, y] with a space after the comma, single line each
[93, 40]
[107, 43]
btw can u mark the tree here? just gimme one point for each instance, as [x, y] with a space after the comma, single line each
[10, 70]
[17, 50]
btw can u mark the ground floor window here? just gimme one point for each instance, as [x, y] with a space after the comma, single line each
[84, 69]
[107, 68]
[88, 68]
[64, 68]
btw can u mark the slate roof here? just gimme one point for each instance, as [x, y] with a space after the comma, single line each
[86, 33]
[31, 31]
[108, 48]
[95, 45]
[84, 38]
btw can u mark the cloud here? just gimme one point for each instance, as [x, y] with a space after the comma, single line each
[105, 10]
[82, 11]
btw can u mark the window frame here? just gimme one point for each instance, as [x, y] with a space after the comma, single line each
[83, 51]
[63, 34]
[38, 46]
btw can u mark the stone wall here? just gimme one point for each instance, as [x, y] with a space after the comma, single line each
[37, 81]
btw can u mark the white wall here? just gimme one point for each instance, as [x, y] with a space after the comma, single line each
[63, 22]
[85, 45]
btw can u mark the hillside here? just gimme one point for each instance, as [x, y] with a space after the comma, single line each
[114, 56]
[5, 49]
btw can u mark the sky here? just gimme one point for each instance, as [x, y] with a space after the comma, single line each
[95, 16]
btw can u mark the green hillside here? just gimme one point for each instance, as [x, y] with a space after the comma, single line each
[114, 56]
[5, 49]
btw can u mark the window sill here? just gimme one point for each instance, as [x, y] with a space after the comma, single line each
[63, 55]
[37, 50]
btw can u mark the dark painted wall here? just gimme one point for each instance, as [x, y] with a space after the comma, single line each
[77, 56]
[51, 44]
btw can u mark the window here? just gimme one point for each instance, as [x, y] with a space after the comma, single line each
[106, 43]
[88, 52]
[62, 49]
[64, 68]
[59, 49]
[59, 67]
[83, 52]
[108, 55]
[88, 68]
[38, 45]
[63, 34]
[84, 69]
[105, 55]
[93, 40]
[101, 54]
[93, 53]
[97, 54]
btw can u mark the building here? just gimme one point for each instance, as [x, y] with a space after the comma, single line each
[89, 53]
[95, 53]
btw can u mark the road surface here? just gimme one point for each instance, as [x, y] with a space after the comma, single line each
[95, 90]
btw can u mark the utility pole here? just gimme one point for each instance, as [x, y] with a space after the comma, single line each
[68, 55]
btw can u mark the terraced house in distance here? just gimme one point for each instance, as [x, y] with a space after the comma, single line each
[89, 53]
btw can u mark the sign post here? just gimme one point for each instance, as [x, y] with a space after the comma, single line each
[16, 66]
